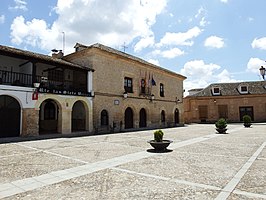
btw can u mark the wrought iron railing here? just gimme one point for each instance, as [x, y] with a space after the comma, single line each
[15, 78]
[46, 86]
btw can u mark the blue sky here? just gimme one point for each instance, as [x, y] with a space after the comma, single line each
[208, 41]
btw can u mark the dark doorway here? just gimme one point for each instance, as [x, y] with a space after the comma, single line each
[163, 116]
[142, 118]
[48, 117]
[128, 118]
[104, 118]
[9, 117]
[78, 117]
[176, 116]
[248, 110]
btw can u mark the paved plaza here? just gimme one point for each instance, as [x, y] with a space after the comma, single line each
[201, 165]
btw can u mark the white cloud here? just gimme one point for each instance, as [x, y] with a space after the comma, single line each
[2, 19]
[214, 42]
[250, 19]
[34, 33]
[200, 74]
[155, 62]
[203, 22]
[180, 38]
[259, 43]
[197, 68]
[88, 21]
[19, 5]
[200, 12]
[144, 42]
[224, 1]
[254, 65]
[171, 53]
[225, 77]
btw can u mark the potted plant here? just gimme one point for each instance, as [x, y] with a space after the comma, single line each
[221, 125]
[247, 121]
[158, 143]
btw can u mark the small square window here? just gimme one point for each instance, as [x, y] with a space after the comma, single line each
[244, 88]
[216, 91]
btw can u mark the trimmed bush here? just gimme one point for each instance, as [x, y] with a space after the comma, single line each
[247, 120]
[158, 136]
[221, 123]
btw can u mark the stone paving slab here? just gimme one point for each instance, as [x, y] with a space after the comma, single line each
[244, 197]
[111, 184]
[255, 179]
[210, 148]
[202, 165]
[97, 151]
[12, 149]
[205, 169]
[263, 154]
[28, 165]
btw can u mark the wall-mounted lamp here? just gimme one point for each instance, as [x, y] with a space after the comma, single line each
[36, 85]
[177, 100]
[125, 95]
[35, 92]
[214, 100]
[92, 93]
[152, 97]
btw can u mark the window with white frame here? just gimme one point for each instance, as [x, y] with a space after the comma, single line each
[216, 90]
[243, 89]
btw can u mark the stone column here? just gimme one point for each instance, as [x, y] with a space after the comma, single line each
[30, 122]
[66, 121]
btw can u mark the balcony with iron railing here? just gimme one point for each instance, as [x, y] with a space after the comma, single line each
[64, 87]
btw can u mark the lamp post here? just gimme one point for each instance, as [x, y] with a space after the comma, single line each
[262, 72]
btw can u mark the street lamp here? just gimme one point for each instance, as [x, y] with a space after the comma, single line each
[262, 72]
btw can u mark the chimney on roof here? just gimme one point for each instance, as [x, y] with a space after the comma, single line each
[57, 53]
[60, 54]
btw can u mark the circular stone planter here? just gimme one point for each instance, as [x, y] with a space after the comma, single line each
[160, 146]
[247, 125]
[221, 130]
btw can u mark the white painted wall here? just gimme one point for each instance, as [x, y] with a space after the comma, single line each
[22, 94]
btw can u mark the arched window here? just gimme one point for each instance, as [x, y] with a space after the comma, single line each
[163, 116]
[161, 90]
[104, 118]
[176, 116]
[142, 118]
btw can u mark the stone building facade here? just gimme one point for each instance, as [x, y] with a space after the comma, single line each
[41, 94]
[226, 100]
[130, 93]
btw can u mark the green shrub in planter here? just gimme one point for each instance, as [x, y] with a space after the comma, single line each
[158, 136]
[221, 125]
[247, 120]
